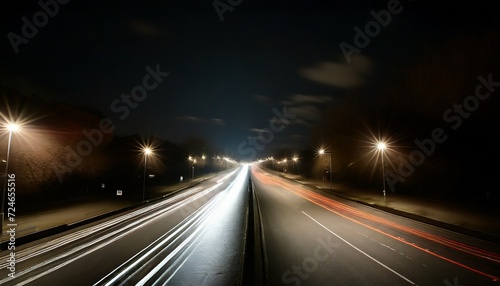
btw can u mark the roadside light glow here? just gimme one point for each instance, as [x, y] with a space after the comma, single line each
[12, 127]
[322, 152]
[148, 151]
[295, 159]
[381, 146]
[203, 157]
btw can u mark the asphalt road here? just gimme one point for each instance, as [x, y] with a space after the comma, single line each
[314, 238]
[197, 237]
[194, 237]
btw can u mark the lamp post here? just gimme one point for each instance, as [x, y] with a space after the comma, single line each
[203, 157]
[192, 175]
[12, 128]
[381, 146]
[295, 159]
[147, 151]
[322, 152]
[190, 159]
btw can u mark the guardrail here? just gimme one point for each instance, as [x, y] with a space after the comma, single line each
[255, 270]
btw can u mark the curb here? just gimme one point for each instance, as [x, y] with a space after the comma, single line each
[260, 270]
[451, 227]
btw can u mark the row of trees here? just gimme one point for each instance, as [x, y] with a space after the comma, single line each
[434, 89]
[56, 156]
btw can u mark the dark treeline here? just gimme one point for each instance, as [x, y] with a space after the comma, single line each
[435, 89]
[65, 152]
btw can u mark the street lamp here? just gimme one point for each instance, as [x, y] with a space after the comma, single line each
[11, 127]
[191, 166]
[381, 146]
[295, 159]
[322, 152]
[147, 152]
[192, 177]
[203, 157]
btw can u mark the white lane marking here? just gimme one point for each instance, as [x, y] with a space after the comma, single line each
[361, 251]
[92, 246]
[153, 247]
[202, 216]
[58, 242]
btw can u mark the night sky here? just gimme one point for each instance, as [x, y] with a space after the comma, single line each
[225, 77]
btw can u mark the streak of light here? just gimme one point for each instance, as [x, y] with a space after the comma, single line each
[184, 236]
[170, 237]
[361, 251]
[150, 213]
[225, 207]
[344, 210]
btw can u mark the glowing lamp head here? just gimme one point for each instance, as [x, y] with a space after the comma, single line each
[381, 146]
[321, 151]
[12, 127]
[148, 151]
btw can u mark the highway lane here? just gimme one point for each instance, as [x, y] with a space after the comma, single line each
[147, 246]
[218, 257]
[315, 238]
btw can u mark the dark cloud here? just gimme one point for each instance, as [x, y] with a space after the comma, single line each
[258, 130]
[189, 118]
[304, 99]
[342, 75]
[212, 121]
[307, 108]
[218, 121]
